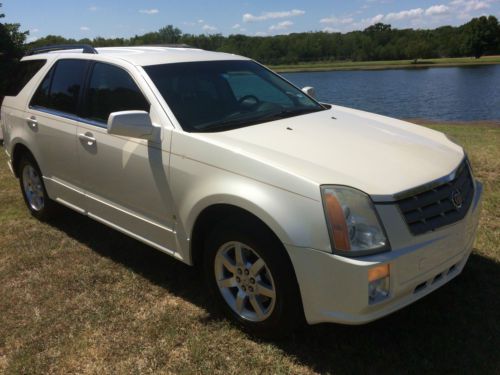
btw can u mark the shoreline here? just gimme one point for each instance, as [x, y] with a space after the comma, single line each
[473, 123]
[384, 65]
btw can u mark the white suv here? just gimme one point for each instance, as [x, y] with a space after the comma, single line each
[293, 208]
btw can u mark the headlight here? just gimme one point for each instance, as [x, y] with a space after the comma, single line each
[353, 224]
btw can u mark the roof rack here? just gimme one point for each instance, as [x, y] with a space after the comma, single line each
[61, 47]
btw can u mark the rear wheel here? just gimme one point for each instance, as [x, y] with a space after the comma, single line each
[252, 278]
[33, 190]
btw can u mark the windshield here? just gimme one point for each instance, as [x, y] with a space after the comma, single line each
[211, 96]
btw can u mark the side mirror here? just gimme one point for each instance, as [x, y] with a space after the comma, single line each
[135, 124]
[309, 91]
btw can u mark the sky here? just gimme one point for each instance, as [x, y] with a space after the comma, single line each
[125, 18]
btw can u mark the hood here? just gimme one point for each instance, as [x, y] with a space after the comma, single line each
[376, 154]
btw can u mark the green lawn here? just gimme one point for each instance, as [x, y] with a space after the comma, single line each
[393, 64]
[77, 297]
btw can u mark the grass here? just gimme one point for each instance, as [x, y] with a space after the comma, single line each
[377, 65]
[77, 297]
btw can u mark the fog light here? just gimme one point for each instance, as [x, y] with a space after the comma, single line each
[378, 283]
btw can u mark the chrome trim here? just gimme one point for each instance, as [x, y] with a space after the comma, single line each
[422, 188]
[72, 206]
[478, 192]
[93, 123]
[68, 116]
[9, 163]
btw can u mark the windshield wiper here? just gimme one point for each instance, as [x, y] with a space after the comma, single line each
[285, 113]
[226, 125]
[234, 124]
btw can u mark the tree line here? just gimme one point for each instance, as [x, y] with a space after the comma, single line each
[378, 42]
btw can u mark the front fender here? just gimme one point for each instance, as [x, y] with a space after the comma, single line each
[295, 219]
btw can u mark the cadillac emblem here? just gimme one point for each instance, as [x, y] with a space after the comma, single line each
[457, 199]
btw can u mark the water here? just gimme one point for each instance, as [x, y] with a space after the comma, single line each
[451, 94]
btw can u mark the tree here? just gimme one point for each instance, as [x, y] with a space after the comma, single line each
[378, 27]
[170, 35]
[11, 40]
[481, 35]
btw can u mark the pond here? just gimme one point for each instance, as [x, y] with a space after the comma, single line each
[450, 94]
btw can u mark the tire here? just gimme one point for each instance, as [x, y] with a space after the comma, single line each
[258, 290]
[33, 190]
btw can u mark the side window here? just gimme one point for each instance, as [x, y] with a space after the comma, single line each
[66, 84]
[111, 89]
[60, 89]
[21, 75]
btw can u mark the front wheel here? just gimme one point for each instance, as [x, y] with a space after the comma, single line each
[33, 190]
[253, 280]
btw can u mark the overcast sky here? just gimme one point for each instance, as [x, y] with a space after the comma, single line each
[125, 18]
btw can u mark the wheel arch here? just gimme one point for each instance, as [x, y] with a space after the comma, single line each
[18, 151]
[213, 214]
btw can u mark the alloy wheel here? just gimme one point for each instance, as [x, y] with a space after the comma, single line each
[245, 281]
[33, 188]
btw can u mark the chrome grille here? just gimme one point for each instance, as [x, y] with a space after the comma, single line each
[441, 205]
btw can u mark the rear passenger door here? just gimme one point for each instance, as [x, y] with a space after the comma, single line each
[52, 116]
[126, 179]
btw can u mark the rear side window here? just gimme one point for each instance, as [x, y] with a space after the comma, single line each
[60, 89]
[41, 97]
[111, 89]
[21, 74]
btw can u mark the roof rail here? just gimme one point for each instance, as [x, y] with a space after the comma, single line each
[181, 45]
[61, 47]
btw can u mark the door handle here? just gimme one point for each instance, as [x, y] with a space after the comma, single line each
[32, 122]
[87, 138]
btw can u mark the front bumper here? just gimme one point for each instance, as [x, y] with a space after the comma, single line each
[335, 288]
